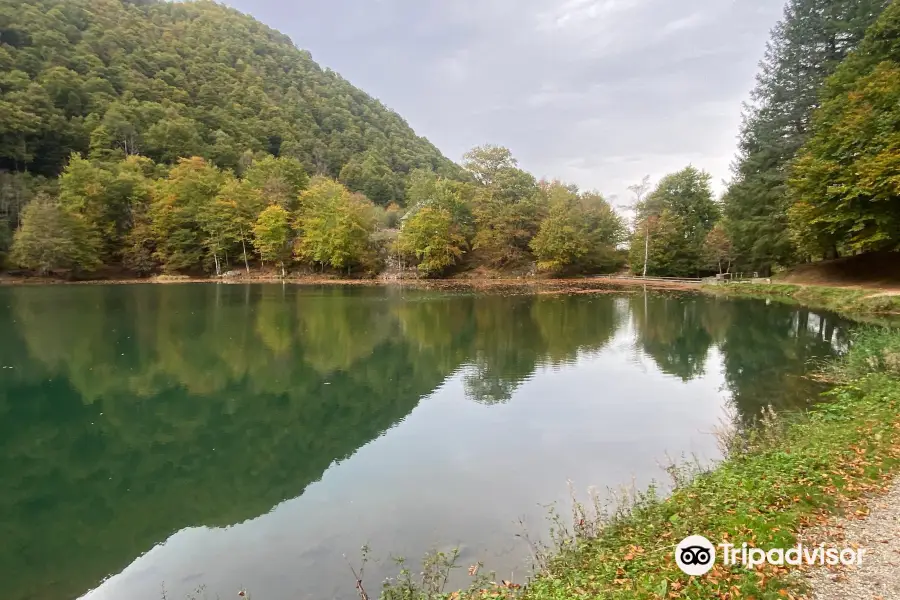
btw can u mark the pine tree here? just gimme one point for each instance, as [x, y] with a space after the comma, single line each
[813, 37]
[845, 183]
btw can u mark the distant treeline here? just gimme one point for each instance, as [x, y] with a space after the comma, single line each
[194, 216]
[187, 138]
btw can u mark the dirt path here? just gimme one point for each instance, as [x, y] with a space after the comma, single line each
[878, 577]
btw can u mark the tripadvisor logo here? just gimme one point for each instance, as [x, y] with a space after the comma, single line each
[696, 555]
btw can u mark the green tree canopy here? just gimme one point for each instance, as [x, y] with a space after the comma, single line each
[5, 242]
[52, 238]
[272, 235]
[678, 215]
[278, 180]
[171, 80]
[507, 206]
[581, 230]
[845, 183]
[434, 233]
[334, 225]
[178, 203]
[805, 48]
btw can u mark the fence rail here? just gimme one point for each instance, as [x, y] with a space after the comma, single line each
[714, 280]
[669, 279]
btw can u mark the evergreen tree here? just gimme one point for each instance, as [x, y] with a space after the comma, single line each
[845, 184]
[805, 47]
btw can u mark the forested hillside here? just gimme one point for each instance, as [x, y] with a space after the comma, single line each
[180, 137]
[172, 79]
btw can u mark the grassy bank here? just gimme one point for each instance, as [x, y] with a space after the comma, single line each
[780, 478]
[851, 301]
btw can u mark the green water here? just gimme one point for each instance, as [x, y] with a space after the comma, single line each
[228, 436]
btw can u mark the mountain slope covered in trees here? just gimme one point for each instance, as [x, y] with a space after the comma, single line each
[176, 79]
[186, 136]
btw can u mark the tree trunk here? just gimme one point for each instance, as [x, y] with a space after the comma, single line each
[244, 246]
[216, 259]
[646, 248]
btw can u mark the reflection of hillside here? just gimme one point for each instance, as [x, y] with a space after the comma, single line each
[136, 411]
[203, 423]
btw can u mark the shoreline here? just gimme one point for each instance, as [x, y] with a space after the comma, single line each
[858, 302]
[573, 285]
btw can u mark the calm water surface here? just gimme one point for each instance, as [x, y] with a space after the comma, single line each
[229, 436]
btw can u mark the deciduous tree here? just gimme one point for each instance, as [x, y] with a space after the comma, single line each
[581, 230]
[273, 236]
[434, 231]
[678, 215]
[175, 213]
[52, 238]
[334, 225]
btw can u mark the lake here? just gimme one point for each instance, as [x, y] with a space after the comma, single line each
[250, 436]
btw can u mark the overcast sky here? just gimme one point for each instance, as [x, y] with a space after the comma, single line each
[595, 92]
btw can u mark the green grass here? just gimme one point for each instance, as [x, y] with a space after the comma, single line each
[842, 300]
[780, 477]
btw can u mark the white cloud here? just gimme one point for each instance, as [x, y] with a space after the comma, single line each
[688, 22]
[578, 13]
